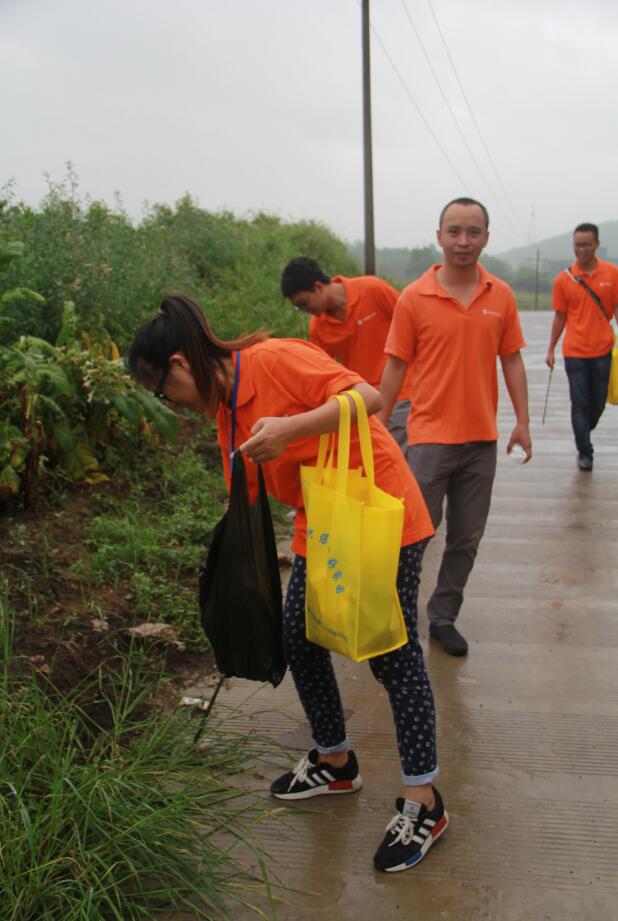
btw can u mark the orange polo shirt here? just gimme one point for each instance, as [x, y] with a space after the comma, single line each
[281, 377]
[452, 351]
[358, 340]
[588, 334]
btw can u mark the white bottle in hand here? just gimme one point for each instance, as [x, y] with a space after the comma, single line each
[518, 454]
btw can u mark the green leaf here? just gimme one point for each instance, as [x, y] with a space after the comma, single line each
[97, 476]
[163, 419]
[6, 323]
[9, 251]
[34, 344]
[98, 421]
[131, 410]
[68, 333]
[48, 403]
[9, 432]
[53, 379]
[64, 435]
[80, 462]
[9, 480]
[21, 294]
[14, 446]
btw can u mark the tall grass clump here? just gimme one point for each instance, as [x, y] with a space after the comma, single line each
[106, 809]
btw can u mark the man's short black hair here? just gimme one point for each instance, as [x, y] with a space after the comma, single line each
[301, 274]
[588, 228]
[465, 201]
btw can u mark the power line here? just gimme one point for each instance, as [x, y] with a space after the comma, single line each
[474, 121]
[421, 115]
[417, 107]
[454, 117]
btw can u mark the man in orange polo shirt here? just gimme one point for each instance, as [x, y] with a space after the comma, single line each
[350, 320]
[585, 298]
[449, 326]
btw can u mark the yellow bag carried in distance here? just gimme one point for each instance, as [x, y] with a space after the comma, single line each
[353, 542]
[612, 390]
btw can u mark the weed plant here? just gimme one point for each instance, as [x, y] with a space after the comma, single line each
[123, 823]
[152, 539]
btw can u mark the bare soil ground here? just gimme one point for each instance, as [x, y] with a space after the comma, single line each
[66, 642]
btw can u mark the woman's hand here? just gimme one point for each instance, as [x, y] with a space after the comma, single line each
[270, 436]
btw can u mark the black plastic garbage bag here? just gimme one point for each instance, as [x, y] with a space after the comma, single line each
[240, 587]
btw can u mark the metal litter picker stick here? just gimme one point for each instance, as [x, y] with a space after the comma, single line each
[551, 371]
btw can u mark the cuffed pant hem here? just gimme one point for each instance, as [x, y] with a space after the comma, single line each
[333, 749]
[417, 781]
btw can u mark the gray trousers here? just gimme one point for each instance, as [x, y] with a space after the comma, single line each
[464, 474]
[398, 423]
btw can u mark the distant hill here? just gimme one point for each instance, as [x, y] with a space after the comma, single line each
[516, 266]
[557, 251]
[399, 264]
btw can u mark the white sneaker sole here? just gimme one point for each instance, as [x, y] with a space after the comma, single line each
[337, 787]
[437, 833]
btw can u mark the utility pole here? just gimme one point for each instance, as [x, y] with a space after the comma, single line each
[370, 253]
[537, 274]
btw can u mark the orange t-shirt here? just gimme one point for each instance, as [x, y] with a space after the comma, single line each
[281, 377]
[452, 351]
[588, 334]
[358, 340]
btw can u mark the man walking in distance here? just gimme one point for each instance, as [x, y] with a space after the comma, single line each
[449, 325]
[584, 299]
[350, 319]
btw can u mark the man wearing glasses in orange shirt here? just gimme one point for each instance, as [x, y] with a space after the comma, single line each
[449, 327]
[350, 319]
[584, 299]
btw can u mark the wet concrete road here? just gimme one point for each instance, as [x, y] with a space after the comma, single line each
[528, 722]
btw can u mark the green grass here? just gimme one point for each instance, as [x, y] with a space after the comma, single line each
[106, 809]
[150, 539]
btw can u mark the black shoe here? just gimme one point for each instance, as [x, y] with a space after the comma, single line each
[410, 834]
[309, 778]
[584, 462]
[449, 639]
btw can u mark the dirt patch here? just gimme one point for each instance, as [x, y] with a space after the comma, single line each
[67, 632]
[70, 630]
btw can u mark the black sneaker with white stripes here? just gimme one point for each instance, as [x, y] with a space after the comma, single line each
[309, 778]
[410, 834]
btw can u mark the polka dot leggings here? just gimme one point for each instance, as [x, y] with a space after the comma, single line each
[402, 673]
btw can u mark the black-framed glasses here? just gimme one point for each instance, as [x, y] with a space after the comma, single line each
[158, 391]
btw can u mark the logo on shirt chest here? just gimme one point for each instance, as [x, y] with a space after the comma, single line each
[364, 319]
[491, 313]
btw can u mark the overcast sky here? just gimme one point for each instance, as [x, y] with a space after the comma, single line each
[256, 105]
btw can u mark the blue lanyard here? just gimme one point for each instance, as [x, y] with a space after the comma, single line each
[234, 399]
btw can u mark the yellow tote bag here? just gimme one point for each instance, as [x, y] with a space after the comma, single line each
[612, 390]
[353, 541]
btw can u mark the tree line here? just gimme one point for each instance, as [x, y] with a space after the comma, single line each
[402, 265]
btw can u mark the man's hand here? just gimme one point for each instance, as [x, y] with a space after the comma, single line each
[390, 385]
[269, 438]
[521, 436]
[549, 358]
